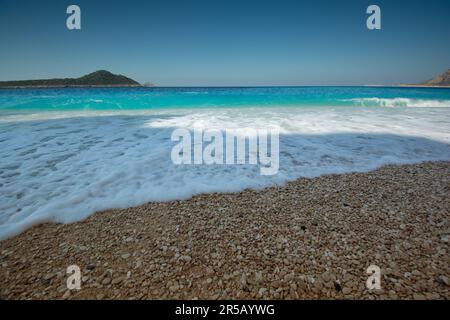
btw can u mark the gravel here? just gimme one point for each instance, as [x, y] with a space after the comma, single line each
[311, 238]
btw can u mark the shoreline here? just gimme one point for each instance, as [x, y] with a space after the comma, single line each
[311, 238]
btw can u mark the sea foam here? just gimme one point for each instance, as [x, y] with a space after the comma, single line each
[400, 102]
[64, 166]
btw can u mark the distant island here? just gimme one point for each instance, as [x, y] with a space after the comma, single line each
[442, 80]
[101, 78]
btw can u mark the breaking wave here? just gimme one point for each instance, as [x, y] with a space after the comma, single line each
[400, 102]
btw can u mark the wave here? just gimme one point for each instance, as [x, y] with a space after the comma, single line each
[63, 166]
[399, 102]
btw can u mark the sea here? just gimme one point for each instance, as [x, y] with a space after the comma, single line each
[66, 153]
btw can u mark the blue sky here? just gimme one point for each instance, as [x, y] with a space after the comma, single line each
[220, 43]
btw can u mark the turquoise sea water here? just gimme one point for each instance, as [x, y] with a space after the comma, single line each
[164, 98]
[67, 153]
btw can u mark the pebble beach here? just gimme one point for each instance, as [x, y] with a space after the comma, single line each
[308, 239]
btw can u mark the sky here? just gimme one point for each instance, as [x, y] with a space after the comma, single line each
[227, 42]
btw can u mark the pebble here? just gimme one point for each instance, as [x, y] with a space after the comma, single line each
[90, 266]
[258, 276]
[346, 290]
[49, 276]
[174, 288]
[418, 296]
[326, 277]
[66, 295]
[117, 280]
[186, 258]
[262, 291]
[62, 288]
[262, 248]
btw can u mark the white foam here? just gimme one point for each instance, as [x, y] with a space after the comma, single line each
[63, 166]
[400, 102]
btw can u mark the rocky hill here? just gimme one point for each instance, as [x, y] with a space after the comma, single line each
[101, 78]
[442, 80]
